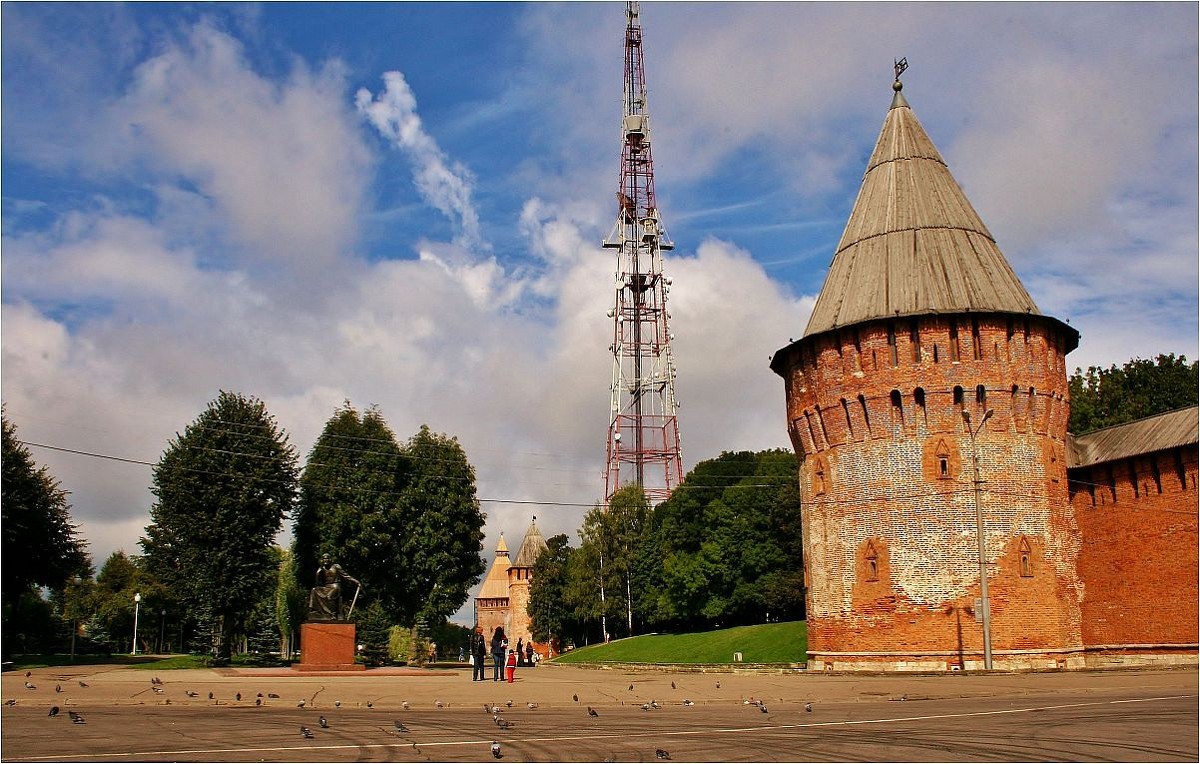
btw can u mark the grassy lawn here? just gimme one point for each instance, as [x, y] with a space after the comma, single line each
[764, 643]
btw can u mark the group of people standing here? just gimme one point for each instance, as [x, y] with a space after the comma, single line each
[502, 655]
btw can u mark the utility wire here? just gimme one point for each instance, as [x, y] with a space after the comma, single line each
[536, 502]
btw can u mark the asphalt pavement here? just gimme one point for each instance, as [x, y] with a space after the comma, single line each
[133, 714]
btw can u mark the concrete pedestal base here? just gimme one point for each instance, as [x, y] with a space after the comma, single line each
[327, 646]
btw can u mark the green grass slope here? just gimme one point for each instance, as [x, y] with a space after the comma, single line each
[764, 643]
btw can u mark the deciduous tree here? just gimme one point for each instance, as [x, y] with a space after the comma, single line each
[223, 488]
[1140, 388]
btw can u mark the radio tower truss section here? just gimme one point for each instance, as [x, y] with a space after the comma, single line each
[643, 431]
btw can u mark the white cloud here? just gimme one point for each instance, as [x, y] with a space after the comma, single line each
[280, 160]
[445, 184]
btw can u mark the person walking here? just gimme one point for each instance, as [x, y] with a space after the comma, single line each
[478, 654]
[512, 665]
[520, 652]
[499, 648]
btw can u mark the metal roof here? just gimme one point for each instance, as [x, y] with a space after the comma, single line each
[531, 547]
[1154, 433]
[913, 244]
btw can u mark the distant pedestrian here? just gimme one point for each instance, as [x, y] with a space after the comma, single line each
[478, 654]
[499, 648]
[529, 653]
[512, 665]
[433, 652]
[520, 652]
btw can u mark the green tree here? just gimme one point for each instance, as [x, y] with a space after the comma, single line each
[223, 488]
[549, 614]
[1140, 388]
[622, 528]
[121, 578]
[725, 548]
[349, 505]
[41, 545]
[290, 604]
[440, 551]
[593, 591]
[372, 630]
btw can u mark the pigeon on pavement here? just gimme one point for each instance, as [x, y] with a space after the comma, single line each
[400, 726]
[808, 707]
[661, 754]
[82, 683]
[592, 711]
[305, 731]
[30, 686]
[53, 710]
[496, 750]
[58, 688]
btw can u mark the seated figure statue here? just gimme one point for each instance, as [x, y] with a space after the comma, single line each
[325, 601]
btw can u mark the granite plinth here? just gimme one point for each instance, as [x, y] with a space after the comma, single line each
[327, 646]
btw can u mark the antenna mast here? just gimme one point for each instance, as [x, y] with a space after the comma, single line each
[643, 432]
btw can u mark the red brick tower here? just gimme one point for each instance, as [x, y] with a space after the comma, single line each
[922, 351]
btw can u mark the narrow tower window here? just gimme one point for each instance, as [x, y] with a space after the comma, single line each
[866, 415]
[1026, 558]
[871, 558]
[849, 424]
[897, 409]
[914, 339]
[919, 400]
[953, 341]
[893, 356]
[976, 345]
[981, 395]
[942, 452]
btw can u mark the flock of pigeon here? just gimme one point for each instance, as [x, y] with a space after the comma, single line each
[496, 711]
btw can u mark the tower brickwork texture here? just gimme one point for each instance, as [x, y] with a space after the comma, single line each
[928, 405]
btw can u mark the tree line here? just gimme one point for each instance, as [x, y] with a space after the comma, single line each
[723, 550]
[402, 517]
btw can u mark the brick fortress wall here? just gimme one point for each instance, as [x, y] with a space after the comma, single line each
[888, 513]
[1138, 564]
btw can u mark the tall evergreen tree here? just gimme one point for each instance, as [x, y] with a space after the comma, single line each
[223, 488]
[349, 506]
[445, 527]
[41, 545]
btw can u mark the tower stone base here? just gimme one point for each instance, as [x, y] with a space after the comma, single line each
[327, 646]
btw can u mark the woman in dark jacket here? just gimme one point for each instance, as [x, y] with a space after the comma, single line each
[478, 654]
[499, 651]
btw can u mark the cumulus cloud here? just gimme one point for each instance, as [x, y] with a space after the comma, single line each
[280, 160]
[445, 184]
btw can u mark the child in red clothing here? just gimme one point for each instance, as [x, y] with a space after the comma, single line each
[511, 665]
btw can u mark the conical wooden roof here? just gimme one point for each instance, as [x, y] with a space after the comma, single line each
[914, 244]
[531, 547]
[495, 586]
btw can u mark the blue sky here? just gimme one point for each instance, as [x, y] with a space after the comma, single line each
[205, 197]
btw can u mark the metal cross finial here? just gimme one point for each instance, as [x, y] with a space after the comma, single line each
[900, 66]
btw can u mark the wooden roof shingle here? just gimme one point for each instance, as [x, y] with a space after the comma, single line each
[913, 244]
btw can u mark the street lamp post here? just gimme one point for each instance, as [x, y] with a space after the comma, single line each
[162, 630]
[137, 603]
[983, 576]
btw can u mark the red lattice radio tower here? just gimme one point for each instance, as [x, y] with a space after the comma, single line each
[643, 431]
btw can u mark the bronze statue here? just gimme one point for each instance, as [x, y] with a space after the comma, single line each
[325, 601]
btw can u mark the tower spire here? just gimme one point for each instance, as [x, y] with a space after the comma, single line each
[643, 431]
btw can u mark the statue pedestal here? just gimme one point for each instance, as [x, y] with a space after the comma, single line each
[327, 646]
